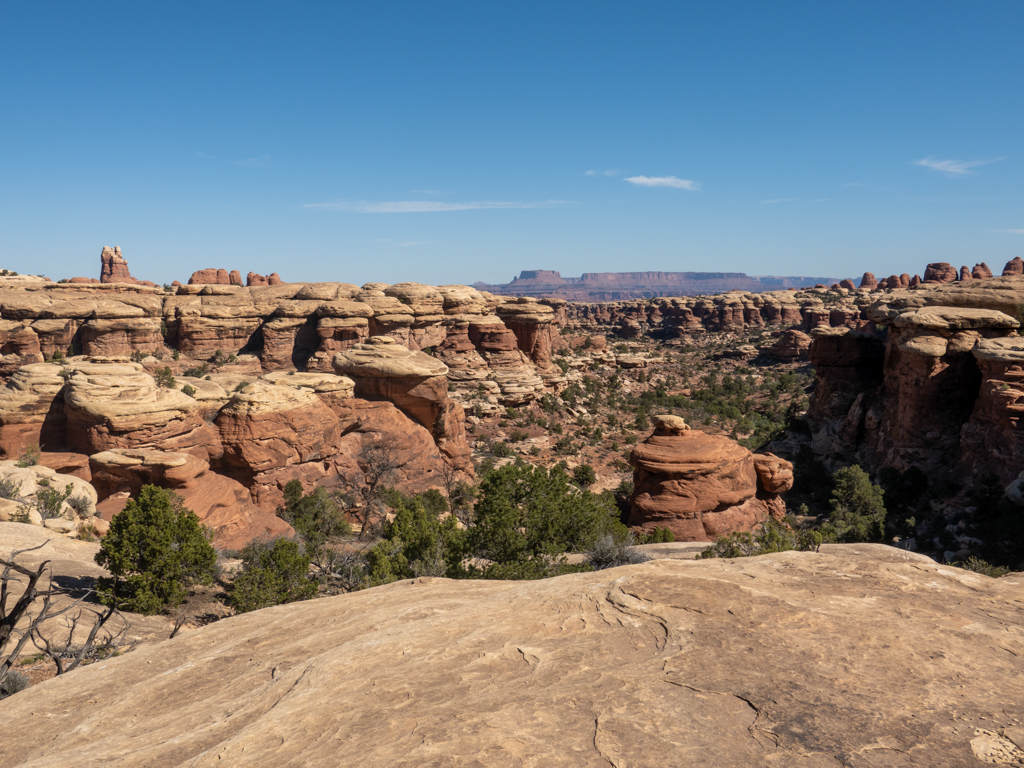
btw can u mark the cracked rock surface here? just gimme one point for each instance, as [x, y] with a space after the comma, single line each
[859, 655]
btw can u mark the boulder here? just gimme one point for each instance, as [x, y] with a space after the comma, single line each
[25, 484]
[868, 281]
[981, 271]
[702, 486]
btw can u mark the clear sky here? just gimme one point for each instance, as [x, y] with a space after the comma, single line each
[449, 142]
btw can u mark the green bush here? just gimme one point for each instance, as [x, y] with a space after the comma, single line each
[29, 456]
[857, 511]
[771, 536]
[198, 372]
[318, 522]
[164, 378]
[417, 542]
[528, 513]
[272, 573]
[189, 390]
[584, 475]
[50, 501]
[155, 549]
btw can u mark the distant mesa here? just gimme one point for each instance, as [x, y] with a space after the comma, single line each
[616, 286]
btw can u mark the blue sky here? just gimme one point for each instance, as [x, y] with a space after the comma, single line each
[450, 142]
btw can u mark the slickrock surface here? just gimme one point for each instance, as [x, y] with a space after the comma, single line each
[702, 486]
[859, 656]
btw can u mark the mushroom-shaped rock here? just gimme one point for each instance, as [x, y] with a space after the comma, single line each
[112, 403]
[415, 382]
[699, 486]
[221, 503]
[531, 322]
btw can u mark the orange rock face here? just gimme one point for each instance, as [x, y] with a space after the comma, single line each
[221, 503]
[703, 486]
[113, 267]
[1014, 267]
[981, 271]
[791, 345]
[940, 272]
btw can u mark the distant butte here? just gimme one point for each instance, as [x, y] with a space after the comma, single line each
[617, 286]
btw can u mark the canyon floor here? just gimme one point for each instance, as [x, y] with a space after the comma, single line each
[859, 655]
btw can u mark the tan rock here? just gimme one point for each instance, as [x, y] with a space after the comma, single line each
[520, 658]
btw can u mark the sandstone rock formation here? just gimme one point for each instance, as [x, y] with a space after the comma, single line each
[792, 344]
[75, 512]
[1014, 267]
[939, 272]
[981, 271]
[113, 267]
[112, 403]
[415, 382]
[32, 410]
[702, 486]
[221, 503]
[868, 281]
[860, 659]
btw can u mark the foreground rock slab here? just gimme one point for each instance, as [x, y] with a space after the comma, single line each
[855, 656]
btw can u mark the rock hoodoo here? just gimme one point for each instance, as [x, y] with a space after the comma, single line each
[702, 486]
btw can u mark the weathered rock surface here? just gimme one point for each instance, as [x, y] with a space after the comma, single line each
[222, 504]
[28, 481]
[113, 267]
[863, 655]
[416, 383]
[702, 486]
[112, 403]
[792, 344]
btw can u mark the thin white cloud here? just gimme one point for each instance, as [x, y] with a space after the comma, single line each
[1010, 231]
[425, 206]
[590, 173]
[954, 167]
[253, 161]
[776, 200]
[613, 172]
[664, 181]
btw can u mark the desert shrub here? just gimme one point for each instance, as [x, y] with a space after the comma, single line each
[983, 567]
[318, 522]
[657, 536]
[29, 456]
[517, 436]
[528, 513]
[9, 489]
[771, 536]
[50, 501]
[137, 356]
[241, 385]
[417, 541]
[857, 511]
[156, 549]
[197, 372]
[272, 573]
[189, 390]
[79, 503]
[14, 682]
[584, 475]
[611, 551]
[502, 449]
[164, 378]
